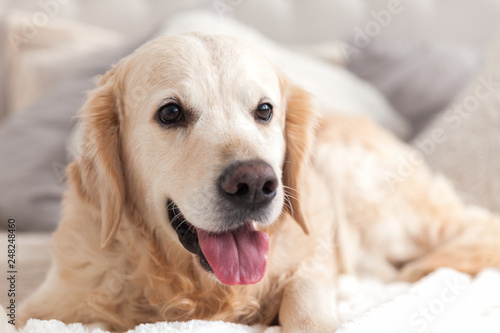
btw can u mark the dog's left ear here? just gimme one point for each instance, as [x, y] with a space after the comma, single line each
[300, 126]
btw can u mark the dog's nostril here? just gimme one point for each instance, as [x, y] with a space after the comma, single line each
[269, 187]
[242, 189]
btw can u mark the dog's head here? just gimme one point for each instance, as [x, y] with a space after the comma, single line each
[207, 139]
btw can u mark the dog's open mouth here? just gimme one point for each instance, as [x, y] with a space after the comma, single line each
[235, 257]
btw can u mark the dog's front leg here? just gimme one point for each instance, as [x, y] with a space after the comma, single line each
[309, 302]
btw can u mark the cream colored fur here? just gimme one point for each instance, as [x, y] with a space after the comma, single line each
[344, 203]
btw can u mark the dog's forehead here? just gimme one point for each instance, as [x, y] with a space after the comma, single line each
[204, 65]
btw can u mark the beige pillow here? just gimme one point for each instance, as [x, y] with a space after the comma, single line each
[40, 55]
[463, 142]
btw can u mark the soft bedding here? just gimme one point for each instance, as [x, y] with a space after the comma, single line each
[445, 301]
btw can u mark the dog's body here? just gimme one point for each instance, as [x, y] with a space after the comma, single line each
[351, 202]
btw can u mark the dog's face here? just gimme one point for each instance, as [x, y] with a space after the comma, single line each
[205, 107]
[202, 137]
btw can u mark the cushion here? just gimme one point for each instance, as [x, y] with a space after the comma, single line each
[33, 147]
[463, 142]
[38, 61]
[419, 80]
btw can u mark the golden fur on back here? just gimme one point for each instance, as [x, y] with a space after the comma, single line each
[347, 208]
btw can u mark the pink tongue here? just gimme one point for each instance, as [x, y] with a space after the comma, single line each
[237, 257]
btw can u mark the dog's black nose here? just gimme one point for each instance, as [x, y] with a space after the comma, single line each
[250, 184]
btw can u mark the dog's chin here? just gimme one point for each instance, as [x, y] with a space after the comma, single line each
[241, 249]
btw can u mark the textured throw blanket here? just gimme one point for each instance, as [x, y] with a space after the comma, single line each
[445, 301]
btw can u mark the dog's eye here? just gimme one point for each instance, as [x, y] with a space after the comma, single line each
[264, 112]
[171, 113]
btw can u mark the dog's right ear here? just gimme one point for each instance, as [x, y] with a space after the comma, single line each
[98, 170]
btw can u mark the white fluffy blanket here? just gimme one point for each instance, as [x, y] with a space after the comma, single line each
[445, 301]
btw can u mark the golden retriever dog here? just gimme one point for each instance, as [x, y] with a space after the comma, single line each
[210, 187]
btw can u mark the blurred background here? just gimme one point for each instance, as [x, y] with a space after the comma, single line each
[421, 57]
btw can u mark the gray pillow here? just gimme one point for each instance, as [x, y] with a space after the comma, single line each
[33, 148]
[418, 80]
